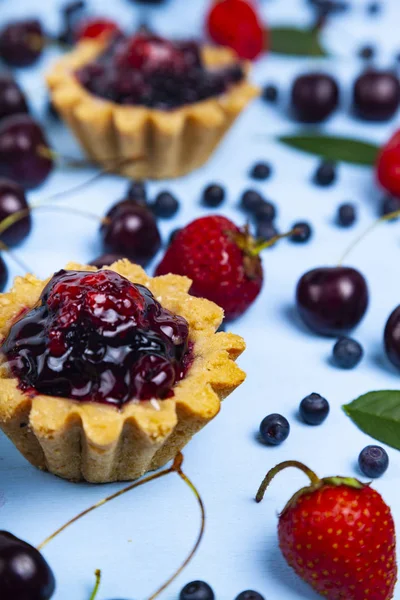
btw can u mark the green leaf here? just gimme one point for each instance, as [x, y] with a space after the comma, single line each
[336, 148]
[378, 414]
[295, 41]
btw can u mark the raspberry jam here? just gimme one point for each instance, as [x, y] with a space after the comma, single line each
[97, 337]
[151, 71]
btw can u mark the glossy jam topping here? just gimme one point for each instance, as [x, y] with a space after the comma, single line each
[154, 72]
[98, 337]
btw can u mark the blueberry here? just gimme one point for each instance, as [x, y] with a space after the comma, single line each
[274, 429]
[197, 590]
[314, 409]
[390, 204]
[366, 52]
[347, 353]
[346, 215]
[302, 232]
[261, 171]
[325, 174]
[213, 195]
[373, 461]
[373, 8]
[137, 191]
[165, 205]
[251, 201]
[173, 235]
[266, 231]
[250, 595]
[270, 93]
[265, 212]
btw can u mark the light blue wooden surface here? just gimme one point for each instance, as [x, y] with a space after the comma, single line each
[141, 538]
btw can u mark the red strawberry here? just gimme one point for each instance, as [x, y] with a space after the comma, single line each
[221, 260]
[236, 24]
[388, 165]
[96, 28]
[338, 535]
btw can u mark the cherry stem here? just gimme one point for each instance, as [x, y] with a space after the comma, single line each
[263, 244]
[315, 480]
[388, 217]
[97, 574]
[175, 468]
[14, 257]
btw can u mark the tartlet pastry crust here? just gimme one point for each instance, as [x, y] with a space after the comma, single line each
[171, 142]
[101, 443]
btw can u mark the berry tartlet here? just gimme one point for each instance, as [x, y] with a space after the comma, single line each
[107, 374]
[169, 103]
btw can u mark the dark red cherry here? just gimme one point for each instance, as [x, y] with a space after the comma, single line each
[12, 201]
[376, 95]
[3, 274]
[12, 99]
[332, 300]
[132, 232]
[392, 337]
[24, 573]
[21, 43]
[105, 260]
[24, 151]
[314, 97]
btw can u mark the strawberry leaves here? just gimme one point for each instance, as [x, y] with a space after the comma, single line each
[295, 42]
[378, 415]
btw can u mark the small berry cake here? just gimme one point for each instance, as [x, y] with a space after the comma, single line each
[107, 374]
[169, 103]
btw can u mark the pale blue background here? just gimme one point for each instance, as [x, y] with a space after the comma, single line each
[140, 539]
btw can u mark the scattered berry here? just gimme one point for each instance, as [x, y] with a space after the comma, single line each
[213, 195]
[131, 232]
[105, 260]
[165, 205]
[392, 337]
[347, 353]
[274, 429]
[389, 205]
[373, 8]
[12, 99]
[325, 174]
[314, 409]
[173, 235]
[261, 171]
[376, 95]
[266, 231]
[250, 595]
[25, 156]
[21, 43]
[373, 461]
[3, 274]
[96, 28]
[197, 590]
[12, 201]
[137, 191]
[219, 259]
[265, 212]
[270, 93]
[346, 215]
[314, 97]
[317, 521]
[24, 572]
[366, 52]
[332, 300]
[234, 23]
[251, 201]
[302, 232]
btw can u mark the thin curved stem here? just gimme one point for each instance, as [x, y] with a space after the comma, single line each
[315, 480]
[15, 258]
[97, 574]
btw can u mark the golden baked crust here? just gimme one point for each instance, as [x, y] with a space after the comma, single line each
[172, 142]
[98, 442]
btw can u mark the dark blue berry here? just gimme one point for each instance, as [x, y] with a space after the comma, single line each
[213, 195]
[261, 171]
[270, 93]
[373, 461]
[366, 52]
[314, 409]
[346, 215]
[251, 200]
[173, 235]
[197, 590]
[302, 232]
[265, 212]
[347, 353]
[373, 8]
[390, 204]
[266, 231]
[274, 429]
[250, 595]
[137, 191]
[325, 174]
[165, 205]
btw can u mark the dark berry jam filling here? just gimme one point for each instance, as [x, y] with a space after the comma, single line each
[154, 72]
[98, 337]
